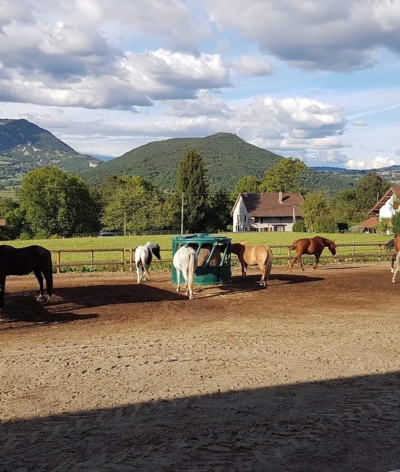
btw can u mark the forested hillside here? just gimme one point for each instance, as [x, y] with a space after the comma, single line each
[227, 157]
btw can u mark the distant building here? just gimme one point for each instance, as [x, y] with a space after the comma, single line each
[266, 211]
[385, 208]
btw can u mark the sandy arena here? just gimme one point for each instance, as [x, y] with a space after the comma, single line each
[115, 376]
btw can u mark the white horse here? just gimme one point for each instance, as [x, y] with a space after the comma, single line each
[396, 267]
[143, 258]
[185, 260]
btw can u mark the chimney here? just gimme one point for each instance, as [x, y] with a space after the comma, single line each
[280, 197]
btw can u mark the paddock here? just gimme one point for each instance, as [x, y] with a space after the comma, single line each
[115, 375]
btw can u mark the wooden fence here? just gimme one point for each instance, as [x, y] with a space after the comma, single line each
[122, 259]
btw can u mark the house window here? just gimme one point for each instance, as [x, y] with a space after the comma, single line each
[279, 228]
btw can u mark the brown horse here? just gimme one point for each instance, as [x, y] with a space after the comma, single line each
[393, 244]
[312, 246]
[260, 255]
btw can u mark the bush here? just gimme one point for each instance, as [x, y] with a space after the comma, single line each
[299, 227]
[356, 229]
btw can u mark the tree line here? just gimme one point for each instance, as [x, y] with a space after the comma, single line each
[53, 203]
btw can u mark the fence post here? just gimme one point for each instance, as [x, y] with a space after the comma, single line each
[92, 258]
[58, 262]
[131, 259]
[122, 259]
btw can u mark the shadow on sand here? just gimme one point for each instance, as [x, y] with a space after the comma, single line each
[350, 424]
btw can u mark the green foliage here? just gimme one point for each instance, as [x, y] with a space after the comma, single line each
[369, 190]
[383, 226]
[192, 182]
[317, 211]
[285, 176]
[299, 226]
[346, 207]
[248, 183]
[57, 203]
[396, 223]
[136, 205]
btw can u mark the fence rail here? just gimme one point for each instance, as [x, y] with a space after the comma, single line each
[122, 259]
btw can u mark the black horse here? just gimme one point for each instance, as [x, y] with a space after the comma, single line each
[36, 259]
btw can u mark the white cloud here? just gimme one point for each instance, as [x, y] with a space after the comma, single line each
[359, 123]
[341, 36]
[252, 66]
[376, 163]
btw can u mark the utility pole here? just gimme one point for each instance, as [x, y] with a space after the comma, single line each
[182, 215]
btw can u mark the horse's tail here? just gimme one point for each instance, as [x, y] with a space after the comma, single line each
[389, 246]
[293, 245]
[268, 264]
[143, 258]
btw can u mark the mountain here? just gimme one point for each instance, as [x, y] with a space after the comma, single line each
[227, 157]
[25, 146]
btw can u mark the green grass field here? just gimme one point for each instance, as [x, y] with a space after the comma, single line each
[365, 246]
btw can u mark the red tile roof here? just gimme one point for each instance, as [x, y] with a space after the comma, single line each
[370, 223]
[268, 205]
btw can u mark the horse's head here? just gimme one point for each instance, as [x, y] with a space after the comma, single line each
[332, 247]
[155, 249]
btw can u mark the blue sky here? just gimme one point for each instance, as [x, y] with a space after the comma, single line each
[314, 79]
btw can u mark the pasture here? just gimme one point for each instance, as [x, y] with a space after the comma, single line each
[282, 239]
[115, 375]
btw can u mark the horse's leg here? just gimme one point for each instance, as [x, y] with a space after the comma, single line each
[178, 272]
[3, 288]
[296, 259]
[393, 259]
[39, 277]
[138, 273]
[317, 256]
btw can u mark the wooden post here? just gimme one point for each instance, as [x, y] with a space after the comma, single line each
[131, 259]
[58, 261]
[122, 259]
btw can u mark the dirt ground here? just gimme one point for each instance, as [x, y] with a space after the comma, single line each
[111, 375]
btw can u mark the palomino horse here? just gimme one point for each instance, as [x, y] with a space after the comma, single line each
[312, 246]
[23, 261]
[185, 260]
[393, 244]
[260, 255]
[143, 258]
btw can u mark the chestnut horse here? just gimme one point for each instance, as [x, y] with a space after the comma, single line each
[393, 244]
[260, 255]
[312, 246]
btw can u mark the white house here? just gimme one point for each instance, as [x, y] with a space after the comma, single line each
[385, 207]
[266, 211]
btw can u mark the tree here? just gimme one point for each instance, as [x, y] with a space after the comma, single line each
[345, 208]
[136, 204]
[57, 203]
[192, 184]
[285, 176]
[369, 190]
[248, 183]
[396, 223]
[317, 211]
[218, 215]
